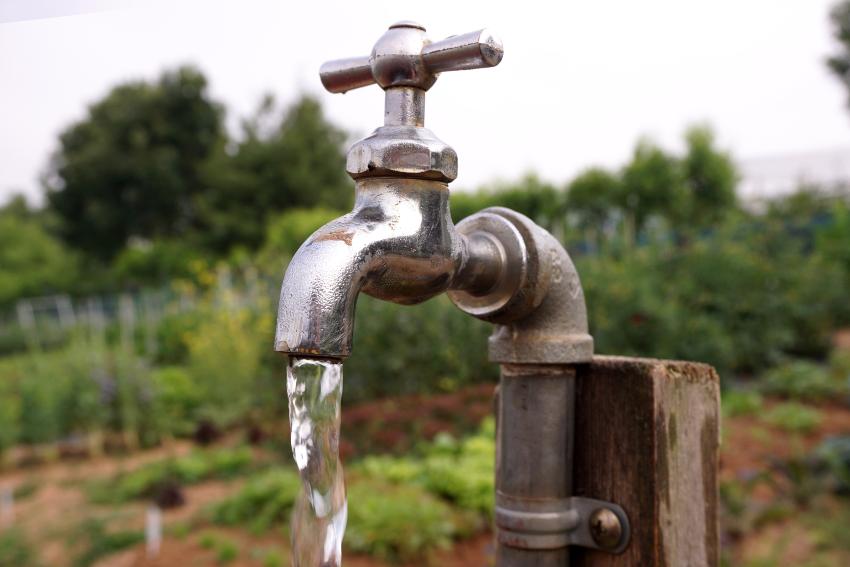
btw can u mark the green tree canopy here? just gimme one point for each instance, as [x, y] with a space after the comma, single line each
[530, 195]
[653, 184]
[840, 62]
[293, 159]
[131, 167]
[710, 176]
[593, 197]
[32, 262]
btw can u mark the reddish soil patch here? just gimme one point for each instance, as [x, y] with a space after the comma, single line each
[477, 552]
[397, 424]
[750, 445]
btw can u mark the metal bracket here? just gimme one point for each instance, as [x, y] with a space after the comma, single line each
[554, 523]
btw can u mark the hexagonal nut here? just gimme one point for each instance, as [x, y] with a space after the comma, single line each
[402, 151]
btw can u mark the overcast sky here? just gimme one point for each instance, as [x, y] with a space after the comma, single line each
[580, 81]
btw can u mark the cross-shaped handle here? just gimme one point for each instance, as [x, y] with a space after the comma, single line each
[404, 57]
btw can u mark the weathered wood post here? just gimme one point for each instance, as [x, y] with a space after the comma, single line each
[647, 438]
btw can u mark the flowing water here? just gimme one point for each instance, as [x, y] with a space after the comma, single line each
[318, 523]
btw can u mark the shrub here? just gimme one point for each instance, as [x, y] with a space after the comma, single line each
[225, 354]
[459, 472]
[177, 399]
[16, 550]
[99, 542]
[397, 522]
[793, 417]
[801, 380]
[834, 453]
[737, 403]
[389, 357]
[148, 480]
[264, 501]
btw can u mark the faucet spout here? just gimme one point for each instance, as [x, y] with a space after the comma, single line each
[398, 244]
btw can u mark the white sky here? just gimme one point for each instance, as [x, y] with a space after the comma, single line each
[580, 81]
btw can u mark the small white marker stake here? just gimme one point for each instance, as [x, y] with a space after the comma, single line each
[153, 530]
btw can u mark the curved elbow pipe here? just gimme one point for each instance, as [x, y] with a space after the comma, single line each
[539, 311]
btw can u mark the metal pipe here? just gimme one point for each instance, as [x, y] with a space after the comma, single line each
[534, 459]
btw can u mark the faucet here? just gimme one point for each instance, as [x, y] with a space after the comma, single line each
[399, 244]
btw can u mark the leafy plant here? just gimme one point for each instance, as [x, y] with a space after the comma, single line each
[16, 550]
[737, 403]
[459, 472]
[264, 501]
[834, 453]
[99, 542]
[793, 417]
[802, 380]
[148, 480]
[397, 522]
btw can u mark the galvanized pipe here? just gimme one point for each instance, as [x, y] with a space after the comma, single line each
[534, 459]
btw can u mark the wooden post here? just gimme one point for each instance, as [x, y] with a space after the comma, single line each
[647, 438]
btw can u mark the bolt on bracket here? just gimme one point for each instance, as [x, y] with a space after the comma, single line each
[561, 522]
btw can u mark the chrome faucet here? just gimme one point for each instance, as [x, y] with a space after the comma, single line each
[399, 244]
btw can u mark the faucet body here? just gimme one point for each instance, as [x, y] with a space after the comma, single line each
[399, 244]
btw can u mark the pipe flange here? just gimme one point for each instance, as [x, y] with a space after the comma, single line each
[520, 285]
[513, 293]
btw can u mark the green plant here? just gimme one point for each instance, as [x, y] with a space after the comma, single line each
[793, 417]
[225, 353]
[264, 501]
[147, 481]
[802, 380]
[176, 400]
[26, 489]
[99, 542]
[458, 472]
[16, 550]
[834, 453]
[269, 557]
[226, 551]
[397, 522]
[398, 333]
[738, 403]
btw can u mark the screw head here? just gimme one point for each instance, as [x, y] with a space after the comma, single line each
[605, 527]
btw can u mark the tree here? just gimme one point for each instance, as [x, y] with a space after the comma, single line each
[131, 168]
[292, 160]
[653, 184]
[593, 197]
[840, 62]
[32, 261]
[710, 176]
[529, 195]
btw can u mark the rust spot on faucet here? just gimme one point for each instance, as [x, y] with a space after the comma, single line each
[340, 235]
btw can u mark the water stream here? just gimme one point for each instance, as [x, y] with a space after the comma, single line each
[318, 524]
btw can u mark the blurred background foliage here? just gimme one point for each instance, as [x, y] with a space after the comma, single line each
[137, 310]
[166, 237]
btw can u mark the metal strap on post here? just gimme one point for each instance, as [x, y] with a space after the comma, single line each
[554, 523]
